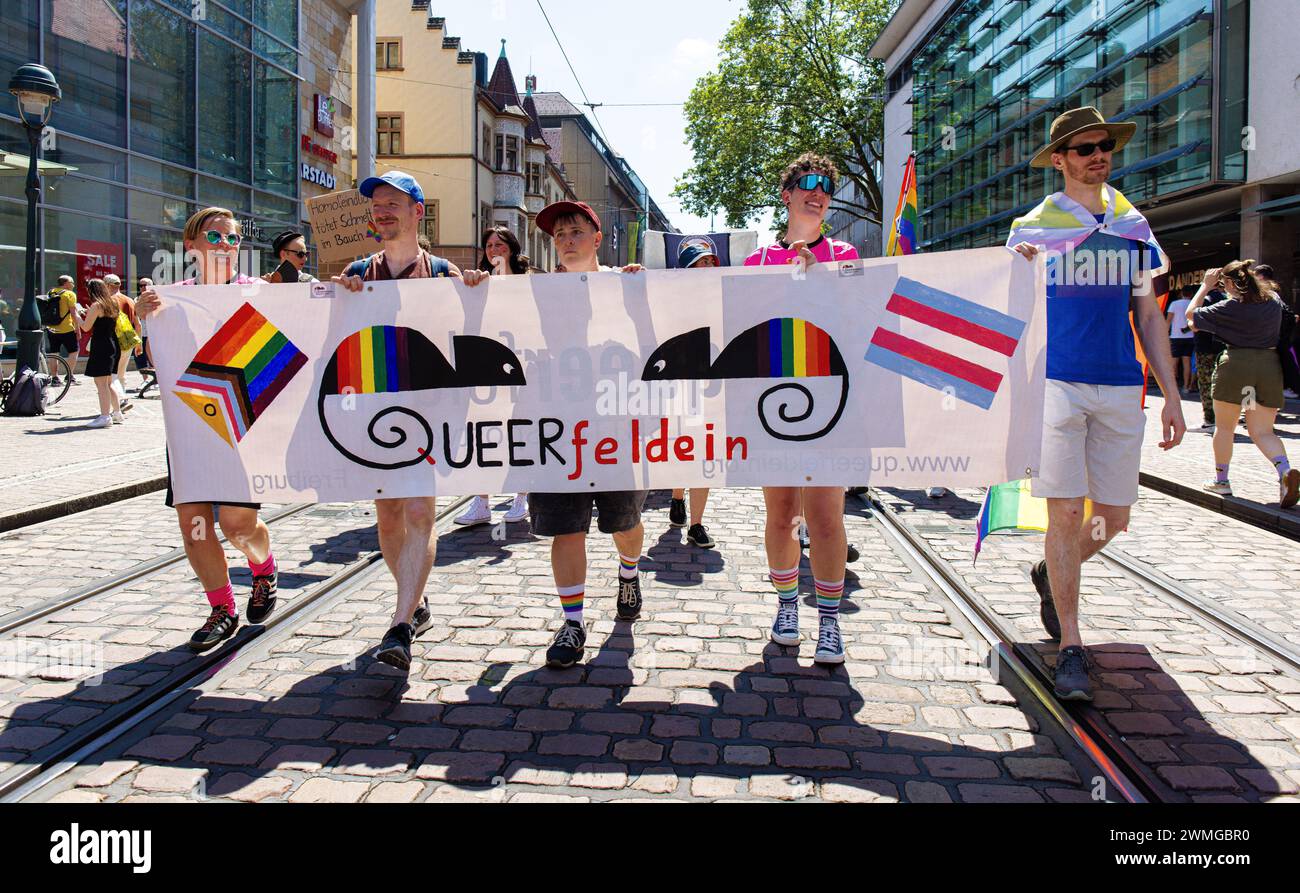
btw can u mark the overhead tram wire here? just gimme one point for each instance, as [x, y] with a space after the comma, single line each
[586, 99]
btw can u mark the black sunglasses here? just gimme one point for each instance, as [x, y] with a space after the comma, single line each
[1086, 149]
[301, 255]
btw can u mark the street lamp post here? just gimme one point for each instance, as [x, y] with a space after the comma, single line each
[36, 91]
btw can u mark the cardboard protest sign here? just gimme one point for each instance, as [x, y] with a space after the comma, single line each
[925, 370]
[340, 223]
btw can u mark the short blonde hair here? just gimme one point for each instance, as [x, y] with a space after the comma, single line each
[194, 226]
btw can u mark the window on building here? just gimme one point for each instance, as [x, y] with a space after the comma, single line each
[501, 149]
[390, 134]
[429, 226]
[484, 216]
[512, 154]
[162, 83]
[388, 54]
[487, 144]
[535, 178]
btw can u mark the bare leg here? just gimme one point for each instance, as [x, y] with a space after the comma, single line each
[1225, 414]
[205, 554]
[699, 499]
[1259, 424]
[629, 542]
[569, 559]
[830, 544]
[409, 547]
[246, 532]
[1069, 542]
[104, 391]
[781, 533]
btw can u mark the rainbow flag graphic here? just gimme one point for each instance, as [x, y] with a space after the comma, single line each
[238, 372]
[372, 233]
[792, 348]
[949, 315]
[1012, 506]
[374, 361]
[902, 232]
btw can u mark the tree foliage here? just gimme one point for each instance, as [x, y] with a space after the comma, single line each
[793, 77]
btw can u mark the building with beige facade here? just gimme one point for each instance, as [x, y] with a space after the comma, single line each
[472, 141]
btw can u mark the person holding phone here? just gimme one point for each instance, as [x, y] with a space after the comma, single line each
[290, 250]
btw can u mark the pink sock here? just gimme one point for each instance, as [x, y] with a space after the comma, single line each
[223, 598]
[266, 568]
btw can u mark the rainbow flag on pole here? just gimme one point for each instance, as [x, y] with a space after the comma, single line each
[902, 232]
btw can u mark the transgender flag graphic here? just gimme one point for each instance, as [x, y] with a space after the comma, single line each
[949, 317]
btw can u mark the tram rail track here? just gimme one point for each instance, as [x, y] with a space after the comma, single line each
[93, 736]
[1123, 770]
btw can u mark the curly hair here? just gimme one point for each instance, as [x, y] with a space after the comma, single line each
[809, 163]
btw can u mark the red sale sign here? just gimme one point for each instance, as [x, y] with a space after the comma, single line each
[95, 260]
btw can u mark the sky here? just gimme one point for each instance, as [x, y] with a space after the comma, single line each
[622, 52]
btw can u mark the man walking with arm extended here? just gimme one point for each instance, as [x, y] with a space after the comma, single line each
[1100, 257]
[405, 525]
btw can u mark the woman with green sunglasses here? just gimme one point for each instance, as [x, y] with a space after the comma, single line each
[212, 238]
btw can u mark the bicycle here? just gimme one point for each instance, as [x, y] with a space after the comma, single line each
[62, 373]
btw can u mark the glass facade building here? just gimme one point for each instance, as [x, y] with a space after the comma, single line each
[168, 106]
[990, 78]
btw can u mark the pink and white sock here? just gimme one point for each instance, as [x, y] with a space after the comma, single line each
[265, 569]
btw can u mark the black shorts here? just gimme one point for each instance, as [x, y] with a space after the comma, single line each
[1182, 347]
[169, 501]
[62, 341]
[559, 514]
[142, 358]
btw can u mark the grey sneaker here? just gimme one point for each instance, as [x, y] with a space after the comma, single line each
[785, 629]
[1223, 488]
[830, 644]
[1072, 681]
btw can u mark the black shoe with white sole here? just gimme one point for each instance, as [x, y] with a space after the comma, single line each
[568, 647]
[219, 626]
[1072, 682]
[261, 603]
[629, 598]
[395, 649]
[698, 535]
[423, 618]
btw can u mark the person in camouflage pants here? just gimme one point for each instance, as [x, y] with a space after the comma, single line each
[1208, 349]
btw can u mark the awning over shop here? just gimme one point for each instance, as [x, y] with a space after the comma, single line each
[12, 165]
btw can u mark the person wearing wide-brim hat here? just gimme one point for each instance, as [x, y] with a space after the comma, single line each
[1093, 423]
[1081, 121]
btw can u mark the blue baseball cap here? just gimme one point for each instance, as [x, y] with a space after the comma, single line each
[692, 251]
[396, 179]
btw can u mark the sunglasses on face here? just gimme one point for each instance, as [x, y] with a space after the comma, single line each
[809, 182]
[1086, 149]
[301, 255]
[216, 238]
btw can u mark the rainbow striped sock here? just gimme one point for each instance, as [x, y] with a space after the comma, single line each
[828, 597]
[571, 598]
[627, 567]
[786, 583]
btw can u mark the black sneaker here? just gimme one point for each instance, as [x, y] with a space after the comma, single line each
[262, 601]
[856, 491]
[395, 650]
[423, 619]
[677, 513]
[629, 598]
[1072, 681]
[1046, 606]
[568, 646]
[852, 555]
[219, 626]
[698, 535]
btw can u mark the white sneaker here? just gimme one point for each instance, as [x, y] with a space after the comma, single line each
[102, 421]
[478, 513]
[118, 418]
[1223, 488]
[936, 492]
[518, 509]
[1290, 394]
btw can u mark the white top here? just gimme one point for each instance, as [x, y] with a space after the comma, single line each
[1178, 327]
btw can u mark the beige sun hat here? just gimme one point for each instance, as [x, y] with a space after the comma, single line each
[1077, 121]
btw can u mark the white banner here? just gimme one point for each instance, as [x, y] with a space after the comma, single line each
[908, 371]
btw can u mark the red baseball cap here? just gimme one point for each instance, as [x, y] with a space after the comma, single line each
[546, 217]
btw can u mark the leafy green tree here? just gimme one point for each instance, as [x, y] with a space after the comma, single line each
[793, 77]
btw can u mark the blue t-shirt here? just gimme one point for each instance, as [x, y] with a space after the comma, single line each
[1089, 338]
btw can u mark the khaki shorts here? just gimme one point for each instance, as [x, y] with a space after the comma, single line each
[1092, 442]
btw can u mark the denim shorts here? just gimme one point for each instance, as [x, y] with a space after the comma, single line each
[559, 514]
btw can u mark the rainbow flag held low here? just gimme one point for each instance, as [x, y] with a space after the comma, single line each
[1012, 506]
